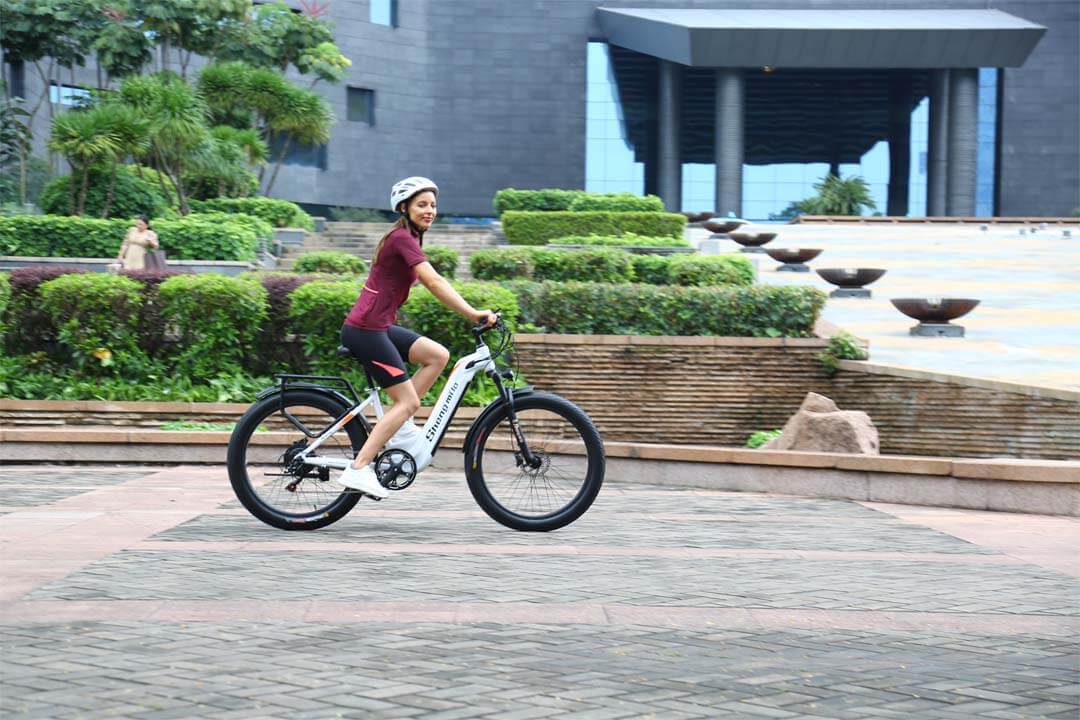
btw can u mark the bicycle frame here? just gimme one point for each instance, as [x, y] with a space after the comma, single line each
[438, 421]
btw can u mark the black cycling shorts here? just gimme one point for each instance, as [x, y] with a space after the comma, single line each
[383, 352]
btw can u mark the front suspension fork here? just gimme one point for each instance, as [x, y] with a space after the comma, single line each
[523, 456]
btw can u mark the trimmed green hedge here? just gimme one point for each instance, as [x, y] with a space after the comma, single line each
[443, 259]
[604, 309]
[330, 261]
[195, 237]
[555, 199]
[218, 319]
[616, 202]
[546, 200]
[612, 265]
[539, 228]
[96, 316]
[627, 240]
[606, 265]
[279, 213]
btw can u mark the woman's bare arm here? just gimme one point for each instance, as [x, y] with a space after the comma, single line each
[448, 296]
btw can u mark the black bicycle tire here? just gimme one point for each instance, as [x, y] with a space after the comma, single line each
[594, 445]
[237, 462]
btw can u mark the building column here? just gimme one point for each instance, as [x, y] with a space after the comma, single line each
[729, 139]
[899, 145]
[937, 160]
[669, 126]
[963, 142]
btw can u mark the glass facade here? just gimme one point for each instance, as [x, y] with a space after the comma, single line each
[384, 12]
[609, 159]
[985, 163]
[769, 189]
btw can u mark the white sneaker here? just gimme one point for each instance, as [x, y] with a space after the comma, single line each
[405, 437]
[364, 480]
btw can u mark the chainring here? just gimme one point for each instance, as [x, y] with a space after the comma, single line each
[396, 469]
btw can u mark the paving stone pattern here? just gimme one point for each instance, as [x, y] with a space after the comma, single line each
[234, 670]
[28, 488]
[660, 552]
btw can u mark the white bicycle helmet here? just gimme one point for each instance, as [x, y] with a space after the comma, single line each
[405, 189]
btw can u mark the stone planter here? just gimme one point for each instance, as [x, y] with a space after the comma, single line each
[793, 259]
[850, 281]
[934, 314]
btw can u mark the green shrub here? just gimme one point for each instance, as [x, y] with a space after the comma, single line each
[192, 238]
[443, 259]
[842, 346]
[651, 269]
[132, 195]
[217, 319]
[263, 230]
[710, 270]
[625, 309]
[317, 312]
[57, 236]
[279, 213]
[502, 264]
[330, 261]
[364, 215]
[208, 185]
[539, 228]
[616, 202]
[96, 316]
[195, 238]
[424, 314]
[759, 438]
[547, 200]
[605, 265]
[627, 240]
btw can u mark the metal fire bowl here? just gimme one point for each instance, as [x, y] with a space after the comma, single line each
[750, 239]
[793, 255]
[698, 216]
[934, 310]
[850, 277]
[723, 226]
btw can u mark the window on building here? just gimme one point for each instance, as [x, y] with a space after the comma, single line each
[67, 94]
[384, 12]
[360, 105]
[299, 153]
[609, 159]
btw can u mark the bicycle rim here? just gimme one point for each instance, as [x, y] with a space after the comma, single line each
[266, 481]
[566, 479]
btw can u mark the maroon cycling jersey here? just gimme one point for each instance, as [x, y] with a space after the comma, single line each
[388, 283]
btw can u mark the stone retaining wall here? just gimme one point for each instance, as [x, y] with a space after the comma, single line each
[716, 391]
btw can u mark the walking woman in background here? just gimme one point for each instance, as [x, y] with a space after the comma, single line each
[383, 347]
[137, 242]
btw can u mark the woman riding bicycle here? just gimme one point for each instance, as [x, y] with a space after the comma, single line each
[372, 337]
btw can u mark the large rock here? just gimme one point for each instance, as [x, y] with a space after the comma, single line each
[820, 426]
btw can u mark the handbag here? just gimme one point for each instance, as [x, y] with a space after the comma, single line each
[155, 260]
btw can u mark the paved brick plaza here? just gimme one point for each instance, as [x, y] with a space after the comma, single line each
[150, 593]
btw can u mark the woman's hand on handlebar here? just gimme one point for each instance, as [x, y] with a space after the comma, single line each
[487, 318]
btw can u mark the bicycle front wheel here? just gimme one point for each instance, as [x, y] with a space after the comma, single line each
[560, 484]
[264, 475]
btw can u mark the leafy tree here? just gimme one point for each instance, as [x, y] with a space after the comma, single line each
[306, 119]
[14, 139]
[123, 47]
[274, 36]
[190, 26]
[85, 138]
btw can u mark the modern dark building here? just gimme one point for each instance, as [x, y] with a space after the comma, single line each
[948, 108]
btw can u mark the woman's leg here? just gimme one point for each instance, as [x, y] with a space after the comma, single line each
[406, 403]
[433, 358]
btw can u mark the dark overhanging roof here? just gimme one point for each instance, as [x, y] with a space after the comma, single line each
[824, 38]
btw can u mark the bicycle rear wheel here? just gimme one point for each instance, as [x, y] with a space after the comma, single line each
[273, 488]
[564, 483]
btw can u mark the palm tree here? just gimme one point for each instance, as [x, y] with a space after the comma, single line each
[177, 118]
[306, 118]
[131, 129]
[85, 138]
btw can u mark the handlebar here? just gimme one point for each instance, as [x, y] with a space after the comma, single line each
[479, 330]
